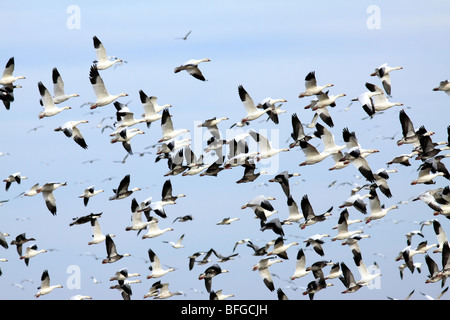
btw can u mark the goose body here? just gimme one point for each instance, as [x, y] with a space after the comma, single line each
[31, 252]
[45, 287]
[280, 248]
[151, 113]
[102, 62]
[311, 87]
[15, 177]
[46, 101]
[265, 149]
[263, 268]
[103, 97]
[157, 270]
[112, 255]
[71, 130]
[443, 86]
[123, 190]
[409, 134]
[383, 72]
[123, 275]
[209, 274]
[343, 232]
[89, 193]
[168, 131]
[308, 212]
[59, 94]
[47, 192]
[253, 112]
[191, 66]
[298, 132]
[380, 101]
[300, 266]
[154, 230]
[124, 136]
[7, 76]
[97, 235]
[376, 211]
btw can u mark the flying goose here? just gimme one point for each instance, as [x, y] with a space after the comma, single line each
[124, 136]
[123, 190]
[151, 108]
[103, 97]
[309, 215]
[253, 112]
[103, 61]
[7, 76]
[280, 248]
[191, 66]
[14, 177]
[316, 242]
[46, 101]
[177, 244]
[366, 101]
[71, 130]
[47, 193]
[165, 293]
[351, 141]
[443, 86]
[311, 85]
[298, 132]
[328, 139]
[45, 287]
[356, 200]
[265, 149]
[19, 241]
[425, 176]
[343, 232]
[348, 280]
[168, 131]
[167, 194]
[7, 94]
[112, 255]
[383, 72]
[154, 230]
[156, 268]
[85, 219]
[380, 101]
[97, 235]
[409, 134]
[283, 179]
[59, 95]
[275, 110]
[89, 193]
[136, 218]
[218, 295]
[123, 274]
[300, 266]
[376, 210]
[209, 274]
[249, 173]
[263, 268]
[30, 252]
[324, 100]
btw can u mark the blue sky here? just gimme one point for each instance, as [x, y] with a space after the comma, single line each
[267, 47]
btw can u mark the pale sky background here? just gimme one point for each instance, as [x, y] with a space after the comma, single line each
[266, 46]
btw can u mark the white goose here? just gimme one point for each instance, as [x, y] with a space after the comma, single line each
[409, 134]
[382, 72]
[71, 130]
[112, 255]
[165, 293]
[324, 100]
[89, 193]
[15, 177]
[328, 139]
[356, 200]
[376, 210]
[102, 95]
[311, 85]
[343, 232]
[191, 66]
[366, 276]
[123, 275]
[280, 248]
[253, 112]
[97, 235]
[31, 252]
[136, 218]
[313, 156]
[265, 149]
[7, 77]
[263, 268]
[366, 101]
[45, 287]
[103, 62]
[59, 94]
[300, 266]
[294, 213]
[125, 135]
[154, 230]
[443, 86]
[151, 114]
[46, 101]
[47, 192]
[157, 270]
[380, 101]
[168, 131]
[178, 244]
[425, 176]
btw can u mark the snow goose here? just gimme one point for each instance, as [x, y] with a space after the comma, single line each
[265, 149]
[253, 112]
[298, 132]
[97, 235]
[263, 268]
[211, 125]
[7, 94]
[71, 130]
[136, 218]
[269, 103]
[172, 145]
[324, 100]
[125, 290]
[366, 101]
[425, 176]
[380, 101]
[167, 193]
[46, 101]
[403, 159]
[383, 72]
[103, 61]
[165, 293]
[261, 201]
[59, 95]
[309, 215]
[19, 241]
[218, 295]
[191, 66]
[351, 141]
[348, 279]
[85, 219]
[353, 242]
[124, 116]
[356, 200]
[280, 248]
[376, 210]
[443, 86]
[123, 190]
[154, 289]
[168, 131]
[328, 139]
[89, 193]
[440, 234]
[151, 108]
[209, 273]
[311, 85]
[294, 213]
[381, 176]
[47, 193]
[156, 206]
[343, 232]
[7, 76]
[103, 97]
[366, 276]
[300, 266]
[249, 173]
[429, 200]
[283, 179]
[409, 134]
[313, 156]
[275, 225]
[156, 268]
[178, 244]
[315, 286]
[123, 274]
[154, 230]
[31, 252]
[112, 255]
[316, 242]
[438, 297]
[124, 136]
[15, 177]
[239, 153]
[354, 155]
[335, 272]
[226, 221]
[45, 287]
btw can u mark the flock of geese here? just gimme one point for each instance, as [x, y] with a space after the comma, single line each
[367, 199]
